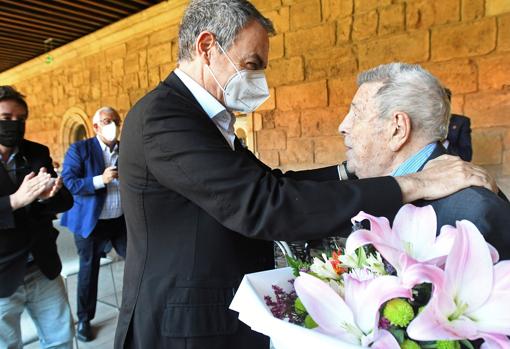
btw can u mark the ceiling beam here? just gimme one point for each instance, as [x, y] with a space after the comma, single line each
[20, 13]
[99, 5]
[74, 6]
[65, 9]
[50, 34]
[36, 23]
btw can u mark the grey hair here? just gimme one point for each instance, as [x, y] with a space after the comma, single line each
[411, 89]
[223, 18]
[97, 115]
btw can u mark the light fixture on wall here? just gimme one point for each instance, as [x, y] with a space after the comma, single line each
[48, 46]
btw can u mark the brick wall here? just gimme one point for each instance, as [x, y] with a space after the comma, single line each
[320, 47]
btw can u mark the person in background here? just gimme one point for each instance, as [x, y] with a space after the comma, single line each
[90, 172]
[395, 126]
[458, 140]
[30, 196]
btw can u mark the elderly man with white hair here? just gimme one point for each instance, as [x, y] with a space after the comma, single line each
[90, 173]
[395, 125]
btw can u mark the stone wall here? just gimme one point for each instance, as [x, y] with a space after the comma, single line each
[320, 47]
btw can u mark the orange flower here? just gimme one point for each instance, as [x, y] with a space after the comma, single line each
[335, 262]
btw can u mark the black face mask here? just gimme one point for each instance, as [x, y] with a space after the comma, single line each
[11, 132]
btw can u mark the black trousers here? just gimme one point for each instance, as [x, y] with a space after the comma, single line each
[90, 250]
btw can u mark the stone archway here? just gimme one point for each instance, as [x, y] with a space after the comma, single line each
[75, 126]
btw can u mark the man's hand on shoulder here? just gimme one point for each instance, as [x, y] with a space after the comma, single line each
[442, 177]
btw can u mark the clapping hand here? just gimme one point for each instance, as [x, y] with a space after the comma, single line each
[31, 188]
[52, 187]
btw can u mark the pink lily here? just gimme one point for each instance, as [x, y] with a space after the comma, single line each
[355, 317]
[413, 233]
[475, 297]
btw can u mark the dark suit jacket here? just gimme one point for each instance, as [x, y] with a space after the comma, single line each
[459, 137]
[488, 211]
[83, 161]
[28, 229]
[200, 215]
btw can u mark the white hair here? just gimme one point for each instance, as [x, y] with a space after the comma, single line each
[97, 116]
[413, 90]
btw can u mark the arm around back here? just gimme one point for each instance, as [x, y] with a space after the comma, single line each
[186, 154]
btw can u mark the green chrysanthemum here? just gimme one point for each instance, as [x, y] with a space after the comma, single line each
[398, 312]
[409, 344]
[447, 345]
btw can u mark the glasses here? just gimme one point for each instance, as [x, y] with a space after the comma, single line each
[105, 122]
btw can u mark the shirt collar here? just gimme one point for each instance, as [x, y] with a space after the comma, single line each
[105, 147]
[11, 157]
[211, 105]
[415, 162]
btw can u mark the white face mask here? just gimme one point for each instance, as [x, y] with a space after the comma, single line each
[110, 132]
[246, 90]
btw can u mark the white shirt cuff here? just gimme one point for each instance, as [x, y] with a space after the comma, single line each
[98, 182]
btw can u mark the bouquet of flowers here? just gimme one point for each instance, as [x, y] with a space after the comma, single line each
[391, 287]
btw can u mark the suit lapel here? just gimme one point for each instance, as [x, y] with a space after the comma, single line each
[97, 156]
[175, 84]
[7, 187]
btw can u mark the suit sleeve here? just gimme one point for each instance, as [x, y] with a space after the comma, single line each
[329, 173]
[190, 157]
[73, 173]
[6, 215]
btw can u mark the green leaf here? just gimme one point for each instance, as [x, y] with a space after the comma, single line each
[310, 323]
[467, 344]
[300, 308]
[398, 333]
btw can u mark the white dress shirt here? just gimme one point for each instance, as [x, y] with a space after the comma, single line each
[111, 208]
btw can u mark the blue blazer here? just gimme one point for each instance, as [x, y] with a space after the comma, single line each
[83, 161]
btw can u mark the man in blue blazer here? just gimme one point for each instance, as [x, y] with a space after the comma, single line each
[90, 173]
[398, 118]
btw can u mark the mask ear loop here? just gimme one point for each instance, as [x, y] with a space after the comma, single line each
[231, 62]
[228, 57]
[214, 77]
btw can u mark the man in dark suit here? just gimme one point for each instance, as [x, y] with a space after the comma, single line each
[398, 118]
[202, 210]
[30, 196]
[458, 140]
[96, 219]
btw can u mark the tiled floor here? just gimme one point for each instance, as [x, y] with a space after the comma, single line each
[106, 317]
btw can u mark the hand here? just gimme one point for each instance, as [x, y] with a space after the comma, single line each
[444, 176]
[52, 188]
[31, 188]
[109, 174]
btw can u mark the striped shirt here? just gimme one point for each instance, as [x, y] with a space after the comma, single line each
[111, 208]
[415, 162]
[10, 165]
